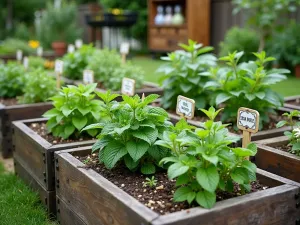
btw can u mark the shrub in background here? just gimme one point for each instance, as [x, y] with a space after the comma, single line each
[11, 45]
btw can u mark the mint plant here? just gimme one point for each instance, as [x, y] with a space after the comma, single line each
[39, 87]
[12, 78]
[74, 108]
[294, 134]
[185, 73]
[246, 84]
[203, 163]
[76, 62]
[129, 133]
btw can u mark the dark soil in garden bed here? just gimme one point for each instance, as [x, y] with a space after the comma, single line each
[41, 129]
[283, 147]
[294, 102]
[9, 101]
[158, 198]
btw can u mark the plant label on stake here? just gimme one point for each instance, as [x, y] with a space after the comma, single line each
[59, 65]
[25, 62]
[39, 51]
[185, 107]
[248, 122]
[19, 55]
[71, 48]
[88, 76]
[78, 43]
[124, 50]
[128, 86]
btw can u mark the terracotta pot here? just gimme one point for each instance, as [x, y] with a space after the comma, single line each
[59, 47]
[297, 71]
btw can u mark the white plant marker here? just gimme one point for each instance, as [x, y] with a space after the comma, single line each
[71, 48]
[124, 50]
[78, 43]
[248, 122]
[128, 86]
[185, 107]
[19, 55]
[59, 66]
[26, 62]
[88, 76]
[39, 51]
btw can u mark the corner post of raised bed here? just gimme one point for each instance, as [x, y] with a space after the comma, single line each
[248, 122]
[59, 66]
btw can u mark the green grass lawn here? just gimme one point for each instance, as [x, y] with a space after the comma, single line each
[18, 204]
[288, 87]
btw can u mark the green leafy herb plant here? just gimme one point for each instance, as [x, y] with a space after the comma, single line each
[39, 87]
[294, 134]
[247, 84]
[74, 108]
[185, 73]
[12, 79]
[203, 163]
[129, 133]
[150, 182]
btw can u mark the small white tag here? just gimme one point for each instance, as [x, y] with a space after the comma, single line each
[71, 48]
[39, 51]
[26, 62]
[19, 55]
[124, 49]
[248, 120]
[78, 43]
[128, 86]
[88, 76]
[185, 107]
[59, 66]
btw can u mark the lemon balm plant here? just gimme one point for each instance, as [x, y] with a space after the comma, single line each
[247, 84]
[203, 163]
[74, 108]
[129, 133]
[185, 73]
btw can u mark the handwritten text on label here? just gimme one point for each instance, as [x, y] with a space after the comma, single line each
[248, 120]
[128, 86]
[88, 76]
[185, 107]
[59, 65]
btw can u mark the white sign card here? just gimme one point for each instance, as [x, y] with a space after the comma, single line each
[185, 107]
[248, 120]
[39, 51]
[124, 49]
[19, 55]
[128, 86]
[88, 76]
[78, 43]
[59, 66]
[71, 48]
[26, 62]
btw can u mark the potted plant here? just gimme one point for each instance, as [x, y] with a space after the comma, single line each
[58, 27]
[92, 187]
[36, 140]
[281, 155]
[23, 95]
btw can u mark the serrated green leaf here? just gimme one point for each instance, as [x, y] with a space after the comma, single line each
[101, 143]
[66, 110]
[208, 178]
[148, 168]
[281, 124]
[181, 180]
[79, 122]
[84, 110]
[137, 149]
[222, 97]
[177, 169]
[181, 194]
[240, 175]
[249, 166]
[69, 129]
[206, 199]
[51, 113]
[112, 153]
[130, 163]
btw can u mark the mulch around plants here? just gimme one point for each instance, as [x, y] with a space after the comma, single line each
[41, 129]
[283, 147]
[158, 198]
[9, 101]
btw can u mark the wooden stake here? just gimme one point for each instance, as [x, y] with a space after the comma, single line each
[58, 80]
[59, 65]
[123, 58]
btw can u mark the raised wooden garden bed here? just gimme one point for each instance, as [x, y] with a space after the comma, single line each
[16, 112]
[292, 102]
[36, 156]
[88, 198]
[276, 161]
[46, 55]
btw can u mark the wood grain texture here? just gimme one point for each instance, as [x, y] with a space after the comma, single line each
[95, 200]
[37, 154]
[288, 100]
[276, 161]
[17, 112]
[47, 197]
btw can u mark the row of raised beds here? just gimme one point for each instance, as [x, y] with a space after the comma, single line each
[98, 157]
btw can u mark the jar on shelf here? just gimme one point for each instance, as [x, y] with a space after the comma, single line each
[178, 18]
[159, 18]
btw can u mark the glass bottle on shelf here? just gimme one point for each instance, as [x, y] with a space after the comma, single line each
[168, 16]
[178, 18]
[159, 18]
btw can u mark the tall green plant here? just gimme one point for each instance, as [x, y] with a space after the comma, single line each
[185, 73]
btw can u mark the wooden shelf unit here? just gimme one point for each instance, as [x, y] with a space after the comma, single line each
[165, 38]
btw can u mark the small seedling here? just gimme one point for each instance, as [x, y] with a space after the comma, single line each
[150, 182]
